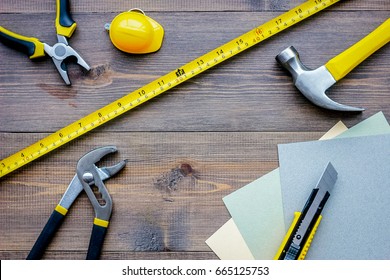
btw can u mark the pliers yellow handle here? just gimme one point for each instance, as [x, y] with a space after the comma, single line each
[65, 26]
[34, 48]
[28, 45]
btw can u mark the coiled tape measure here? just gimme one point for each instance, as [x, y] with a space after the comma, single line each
[162, 84]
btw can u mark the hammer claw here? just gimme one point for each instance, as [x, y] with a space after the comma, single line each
[327, 103]
[313, 84]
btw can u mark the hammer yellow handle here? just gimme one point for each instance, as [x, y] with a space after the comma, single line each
[343, 63]
[287, 236]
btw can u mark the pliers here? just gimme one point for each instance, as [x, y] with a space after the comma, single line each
[34, 48]
[88, 175]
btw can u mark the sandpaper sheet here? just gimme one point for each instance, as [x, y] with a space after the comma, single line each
[356, 218]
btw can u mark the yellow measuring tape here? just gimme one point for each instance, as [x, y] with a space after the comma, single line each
[162, 84]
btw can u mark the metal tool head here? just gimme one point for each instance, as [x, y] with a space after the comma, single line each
[313, 84]
[62, 51]
[75, 187]
[90, 176]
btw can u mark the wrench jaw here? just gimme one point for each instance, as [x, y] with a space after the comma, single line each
[88, 175]
[75, 187]
[102, 207]
[95, 156]
[110, 171]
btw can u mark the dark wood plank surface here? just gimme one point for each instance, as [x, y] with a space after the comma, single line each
[224, 124]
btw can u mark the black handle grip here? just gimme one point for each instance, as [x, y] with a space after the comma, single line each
[28, 45]
[65, 25]
[46, 236]
[64, 16]
[17, 44]
[96, 242]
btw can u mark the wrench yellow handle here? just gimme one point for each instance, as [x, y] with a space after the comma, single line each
[343, 63]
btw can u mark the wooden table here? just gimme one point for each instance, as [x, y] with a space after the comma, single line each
[187, 148]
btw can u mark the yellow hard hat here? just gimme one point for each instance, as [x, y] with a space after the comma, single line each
[134, 32]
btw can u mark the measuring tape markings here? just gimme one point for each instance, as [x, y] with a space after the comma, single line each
[162, 84]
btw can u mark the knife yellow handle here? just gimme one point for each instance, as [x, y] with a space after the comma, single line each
[305, 248]
[287, 236]
[343, 63]
[307, 244]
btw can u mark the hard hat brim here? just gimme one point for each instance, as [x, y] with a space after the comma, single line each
[158, 36]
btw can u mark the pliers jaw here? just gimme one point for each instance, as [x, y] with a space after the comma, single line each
[59, 53]
[34, 48]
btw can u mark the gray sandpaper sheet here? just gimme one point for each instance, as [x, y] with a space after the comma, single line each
[356, 217]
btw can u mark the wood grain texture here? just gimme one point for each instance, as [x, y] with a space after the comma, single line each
[167, 199]
[186, 149]
[251, 86]
[87, 6]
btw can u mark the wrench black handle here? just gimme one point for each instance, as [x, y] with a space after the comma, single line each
[96, 242]
[46, 236]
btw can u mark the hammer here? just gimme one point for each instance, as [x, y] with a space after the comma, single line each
[313, 84]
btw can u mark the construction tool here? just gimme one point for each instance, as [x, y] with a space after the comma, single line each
[162, 84]
[299, 236]
[60, 52]
[134, 32]
[313, 84]
[88, 176]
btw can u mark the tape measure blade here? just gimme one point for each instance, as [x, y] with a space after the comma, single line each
[162, 84]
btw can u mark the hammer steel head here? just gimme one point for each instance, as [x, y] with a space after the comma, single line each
[311, 83]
